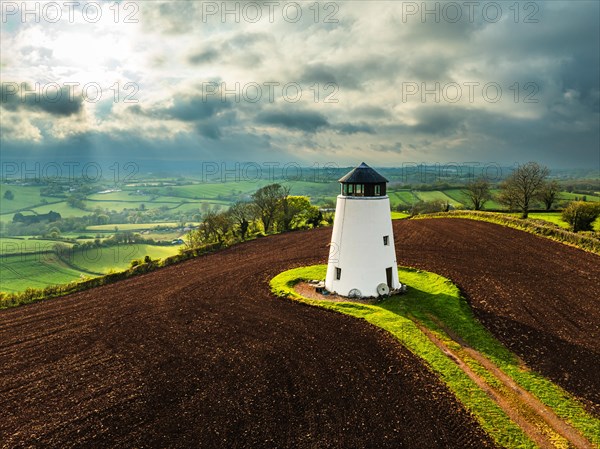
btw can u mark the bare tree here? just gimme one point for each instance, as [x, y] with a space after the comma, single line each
[522, 187]
[478, 193]
[268, 200]
[548, 193]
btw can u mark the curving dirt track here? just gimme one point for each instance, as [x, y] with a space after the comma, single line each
[200, 354]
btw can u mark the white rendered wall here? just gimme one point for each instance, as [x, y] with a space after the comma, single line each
[357, 246]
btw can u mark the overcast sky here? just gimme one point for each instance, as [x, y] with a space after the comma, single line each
[335, 82]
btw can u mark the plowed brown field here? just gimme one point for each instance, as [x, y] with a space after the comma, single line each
[201, 355]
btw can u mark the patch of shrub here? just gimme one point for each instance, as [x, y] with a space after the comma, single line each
[581, 215]
[429, 207]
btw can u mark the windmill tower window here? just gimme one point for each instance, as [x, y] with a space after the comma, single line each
[386, 240]
[338, 273]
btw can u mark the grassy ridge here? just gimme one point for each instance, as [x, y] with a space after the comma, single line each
[431, 297]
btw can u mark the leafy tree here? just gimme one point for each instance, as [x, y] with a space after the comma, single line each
[314, 217]
[9, 195]
[215, 226]
[520, 189]
[76, 201]
[242, 214]
[54, 232]
[268, 200]
[580, 215]
[194, 239]
[294, 211]
[478, 193]
[548, 193]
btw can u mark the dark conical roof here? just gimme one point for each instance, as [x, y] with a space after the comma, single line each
[363, 174]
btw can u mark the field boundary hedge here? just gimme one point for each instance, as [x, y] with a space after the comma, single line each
[537, 227]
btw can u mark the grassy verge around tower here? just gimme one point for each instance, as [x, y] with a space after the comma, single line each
[434, 322]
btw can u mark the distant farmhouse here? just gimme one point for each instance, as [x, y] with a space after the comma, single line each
[36, 218]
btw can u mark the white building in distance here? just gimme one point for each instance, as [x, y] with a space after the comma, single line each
[362, 257]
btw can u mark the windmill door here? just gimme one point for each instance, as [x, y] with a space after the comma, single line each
[388, 276]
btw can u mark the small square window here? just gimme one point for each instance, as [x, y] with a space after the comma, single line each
[386, 240]
[338, 273]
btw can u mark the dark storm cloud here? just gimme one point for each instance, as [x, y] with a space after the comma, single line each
[52, 99]
[239, 49]
[203, 57]
[185, 152]
[324, 74]
[351, 128]
[367, 55]
[388, 148]
[196, 107]
[307, 121]
[553, 140]
[371, 112]
[187, 109]
[440, 121]
[208, 114]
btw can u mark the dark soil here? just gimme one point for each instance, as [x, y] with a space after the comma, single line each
[202, 355]
[539, 297]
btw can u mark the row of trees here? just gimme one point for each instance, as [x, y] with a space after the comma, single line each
[526, 185]
[518, 192]
[272, 209]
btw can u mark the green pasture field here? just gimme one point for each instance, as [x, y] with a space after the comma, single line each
[402, 197]
[38, 270]
[129, 196]
[208, 190]
[556, 218]
[21, 270]
[12, 245]
[118, 257]
[571, 196]
[25, 196]
[399, 215]
[62, 208]
[551, 217]
[436, 195]
[136, 226]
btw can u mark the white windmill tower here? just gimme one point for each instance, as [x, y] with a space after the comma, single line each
[362, 257]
